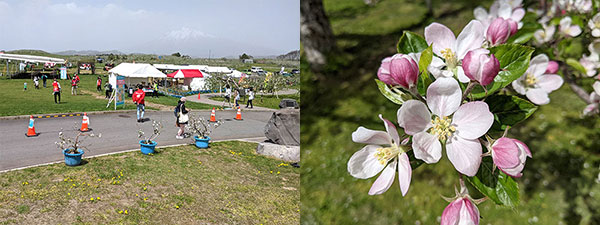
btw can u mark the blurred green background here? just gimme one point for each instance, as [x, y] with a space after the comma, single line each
[561, 183]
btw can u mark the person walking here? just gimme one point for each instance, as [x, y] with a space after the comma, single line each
[99, 84]
[44, 78]
[156, 89]
[250, 98]
[73, 86]
[36, 82]
[227, 96]
[181, 117]
[56, 90]
[237, 98]
[138, 98]
[108, 89]
[25, 86]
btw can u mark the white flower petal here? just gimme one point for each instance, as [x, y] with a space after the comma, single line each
[574, 30]
[440, 37]
[464, 154]
[391, 130]
[518, 14]
[471, 37]
[538, 65]
[444, 96]
[385, 179]
[596, 87]
[404, 173]
[414, 117]
[368, 136]
[473, 120]
[538, 96]
[461, 75]
[550, 82]
[518, 86]
[435, 67]
[427, 147]
[363, 164]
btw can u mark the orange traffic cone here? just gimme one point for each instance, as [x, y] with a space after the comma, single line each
[198, 95]
[212, 116]
[239, 114]
[31, 130]
[85, 123]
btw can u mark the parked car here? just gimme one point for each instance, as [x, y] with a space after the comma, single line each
[256, 69]
[296, 71]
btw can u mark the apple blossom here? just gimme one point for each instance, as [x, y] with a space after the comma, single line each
[509, 155]
[568, 29]
[589, 64]
[373, 158]
[452, 49]
[593, 107]
[460, 211]
[459, 133]
[481, 66]
[498, 32]
[535, 84]
[544, 35]
[594, 24]
[509, 10]
[399, 69]
[552, 67]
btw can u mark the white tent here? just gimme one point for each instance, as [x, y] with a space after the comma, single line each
[218, 69]
[135, 73]
[236, 74]
[180, 67]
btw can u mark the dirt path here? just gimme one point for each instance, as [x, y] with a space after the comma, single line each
[148, 104]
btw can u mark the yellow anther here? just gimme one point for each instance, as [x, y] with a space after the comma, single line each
[530, 80]
[385, 154]
[442, 127]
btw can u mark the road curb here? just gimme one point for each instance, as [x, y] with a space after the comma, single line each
[130, 150]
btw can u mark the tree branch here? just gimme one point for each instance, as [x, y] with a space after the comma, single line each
[578, 90]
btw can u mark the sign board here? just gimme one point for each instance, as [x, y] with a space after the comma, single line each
[120, 88]
[63, 73]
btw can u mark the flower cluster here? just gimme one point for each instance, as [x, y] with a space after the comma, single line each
[156, 128]
[444, 90]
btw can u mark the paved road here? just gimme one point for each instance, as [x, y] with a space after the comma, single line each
[119, 132]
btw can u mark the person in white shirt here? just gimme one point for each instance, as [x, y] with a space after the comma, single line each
[237, 98]
[227, 96]
[250, 98]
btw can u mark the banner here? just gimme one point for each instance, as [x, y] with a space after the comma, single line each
[63, 73]
[120, 88]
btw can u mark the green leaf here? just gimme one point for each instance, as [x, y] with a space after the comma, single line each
[424, 78]
[391, 95]
[496, 185]
[514, 60]
[509, 110]
[576, 65]
[525, 33]
[411, 42]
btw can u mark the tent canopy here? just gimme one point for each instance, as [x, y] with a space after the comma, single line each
[186, 73]
[179, 67]
[32, 58]
[237, 74]
[137, 70]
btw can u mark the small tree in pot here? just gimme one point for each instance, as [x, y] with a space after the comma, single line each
[72, 147]
[202, 128]
[147, 143]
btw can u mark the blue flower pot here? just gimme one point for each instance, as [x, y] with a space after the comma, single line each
[202, 143]
[147, 148]
[72, 159]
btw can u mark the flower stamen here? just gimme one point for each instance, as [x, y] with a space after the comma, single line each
[530, 80]
[385, 154]
[450, 57]
[442, 127]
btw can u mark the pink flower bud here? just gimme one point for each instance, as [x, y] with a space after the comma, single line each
[499, 31]
[552, 67]
[399, 70]
[509, 155]
[514, 26]
[480, 66]
[460, 211]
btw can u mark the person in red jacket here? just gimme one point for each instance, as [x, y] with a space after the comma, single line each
[138, 99]
[56, 90]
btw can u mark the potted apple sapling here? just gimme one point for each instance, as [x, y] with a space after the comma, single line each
[72, 147]
[147, 143]
[202, 128]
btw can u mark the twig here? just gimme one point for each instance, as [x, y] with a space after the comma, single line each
[469, 88]
[578, 90]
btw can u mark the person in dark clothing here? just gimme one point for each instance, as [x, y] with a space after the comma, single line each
[44, 78]
[108, 89]
[181, 124]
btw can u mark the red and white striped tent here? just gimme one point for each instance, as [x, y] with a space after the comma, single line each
[186, 73]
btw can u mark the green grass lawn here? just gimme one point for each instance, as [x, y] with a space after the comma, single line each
[172, 101]
[225, 184]
[268, 100]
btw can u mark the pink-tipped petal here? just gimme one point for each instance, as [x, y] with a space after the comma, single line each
[404, 173]
[552, 67]
[414, 117]
[444, 96]
[451, 213]
[464, 154]
[518, 14]
[472, 120]
[385, 180]
[391, 129]
[538, 96]
[523, 147]
[550, 82]
[490, 70]
[427, 147]
[439, 37]
[505, 153]
[368, 136]
[363, 164]
[471, 37]
[469, 212]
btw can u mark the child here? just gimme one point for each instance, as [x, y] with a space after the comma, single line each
[250, 98]
[25, 86]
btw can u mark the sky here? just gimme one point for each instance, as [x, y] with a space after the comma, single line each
[221, 27]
